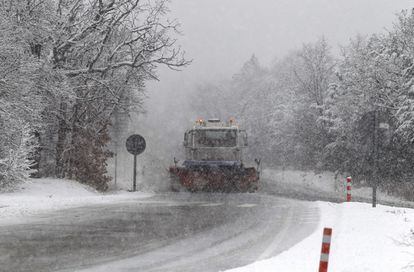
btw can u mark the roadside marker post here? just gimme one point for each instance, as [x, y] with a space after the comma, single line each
[348, 188]
[326, 246]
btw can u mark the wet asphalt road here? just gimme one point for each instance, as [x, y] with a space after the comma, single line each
[168, 232]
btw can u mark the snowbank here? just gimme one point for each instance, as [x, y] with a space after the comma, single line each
[322, 186]
[45, 195]
[325, 181]
[364, 239]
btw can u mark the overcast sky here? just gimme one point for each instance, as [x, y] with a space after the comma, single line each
[220, 35]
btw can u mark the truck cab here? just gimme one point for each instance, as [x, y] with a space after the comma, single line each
[214, 142]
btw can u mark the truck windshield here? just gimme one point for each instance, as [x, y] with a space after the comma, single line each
[215, 138]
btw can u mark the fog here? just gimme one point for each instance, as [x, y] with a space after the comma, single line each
[219, 36]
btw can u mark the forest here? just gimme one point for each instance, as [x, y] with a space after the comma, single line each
[350, 112]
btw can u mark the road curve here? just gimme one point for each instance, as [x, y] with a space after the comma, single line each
[168, 232]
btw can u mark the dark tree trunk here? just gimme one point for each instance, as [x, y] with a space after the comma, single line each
[36, 157]
[60, 144]
[74, 133]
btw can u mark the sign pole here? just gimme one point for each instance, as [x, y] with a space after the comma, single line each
[374, 185]
[135, 144]
[135, 174]
[116, 166]
[371, 125]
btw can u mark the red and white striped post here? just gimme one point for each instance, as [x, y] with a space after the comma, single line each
[348, 188]
[326, 246]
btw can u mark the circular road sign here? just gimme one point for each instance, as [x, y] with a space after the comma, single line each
[135, 144]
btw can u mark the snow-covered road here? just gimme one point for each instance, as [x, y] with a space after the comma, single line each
[54, 225]
[169, 232]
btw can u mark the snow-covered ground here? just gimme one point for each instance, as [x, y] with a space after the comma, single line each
[44, 195]
[325, 181]
[364, 239]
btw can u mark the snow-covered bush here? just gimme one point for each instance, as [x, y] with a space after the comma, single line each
[16, 163]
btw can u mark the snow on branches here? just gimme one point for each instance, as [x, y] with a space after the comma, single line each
[67, 66]
[16, 163]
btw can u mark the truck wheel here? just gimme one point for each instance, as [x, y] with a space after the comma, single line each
[253, 188]
[175, 185]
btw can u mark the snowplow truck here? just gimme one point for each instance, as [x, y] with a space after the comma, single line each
[214, 160]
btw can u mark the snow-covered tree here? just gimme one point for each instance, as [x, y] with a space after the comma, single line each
[16, 163]
[374, 74]
[68, 66]
[24, 88]
[308, 74]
